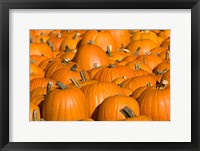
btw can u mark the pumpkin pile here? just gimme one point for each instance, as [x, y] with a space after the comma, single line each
[99, 75]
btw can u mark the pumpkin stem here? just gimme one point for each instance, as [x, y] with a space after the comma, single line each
[67, 49]
[149, 84]
[120, 85]
[167, 55]
[162, 84]
[143, 60]
[158, 72]
[74, 67]
[59, 35]
[76, 35]
[35, 115]
[51, 46]
[137, 66]
[90, 42]
[98, 30]
[41, 40]
[95, 65]
[137, 51]
[75, 82]
[108, 52]
[83, 76]
[111, 66]
[61, 85]
[148, 53]
[65, 61]
[49, 85]
[127, 112]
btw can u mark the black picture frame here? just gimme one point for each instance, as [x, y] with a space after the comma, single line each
[5, 5]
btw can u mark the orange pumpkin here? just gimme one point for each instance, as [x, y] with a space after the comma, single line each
[65, 104]
[109, 109]
[34, 114]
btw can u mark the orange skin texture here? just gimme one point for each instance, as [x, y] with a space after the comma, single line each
[65, 105]
[95, 95]
[164, 34]
[44, 38]
[89, 54]
[156, 51]
[56, 42]
[37, 99]
[163, 55]
[71, 42]
[146, 35]
[151, 60]
[36, 69]
[56, 65]
[142, 66]
[34, 75]
[155, 103]
[136, 82]
[138, 91]
[41, 49]
[165, 44]
[93, 71]
[43, 64]
[41, 82]
[36, 59]
[32, 108]
[39, 91]
[102, 39]
[109, 74]
[109, 109]
[162, 66]
[119, 80]
[127, 91]
[121, 37]
[145, 44]
[139, 118]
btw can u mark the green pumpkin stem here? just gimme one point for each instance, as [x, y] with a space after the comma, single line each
[76, 35]
[35, 115]
[74, 67]
[83, 76]
[49, 85]
[90, 42]
[59, 35]
[111, 66]
[127, 112]
[75, 82]
[95, 65]
[67, 49]
[51, 46]
[108, 52]
[41, 40]
[137, 51]
[61, 85]
[167, 55]
[137, 66]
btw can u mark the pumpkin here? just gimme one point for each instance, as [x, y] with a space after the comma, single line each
[97, 92]
[55, 42]
[164, 34]
[65, 104]
[166, 44]
[165, 55]
[156, 51]
[166, 76]
[130, 115]
[121, 37]
[41, 82]
[102, 38]
[67, 53]
[137, 64]
[151, 60]
[36, 59]
[162, 68]
[109, 109]
[155, 102]
[36, 69]
[145, 46]
[90, 54]
[41, 49]
[64, 75]
[43, 64]
[146, 34]
[112, 72]
[71, 42]
[136, 82]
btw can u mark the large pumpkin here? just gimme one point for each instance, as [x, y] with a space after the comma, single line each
[96, 93]
[109, 109]
[65, 104]
[155, 102]
[90, 54]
